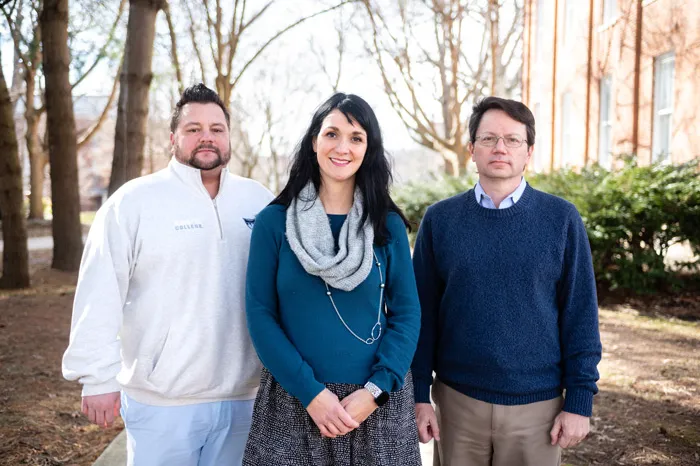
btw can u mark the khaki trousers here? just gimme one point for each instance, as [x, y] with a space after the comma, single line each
[475, 433]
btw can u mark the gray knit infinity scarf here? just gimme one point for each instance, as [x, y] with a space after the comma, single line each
[310, 237]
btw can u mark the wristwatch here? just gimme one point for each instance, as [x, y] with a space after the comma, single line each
[380, 396]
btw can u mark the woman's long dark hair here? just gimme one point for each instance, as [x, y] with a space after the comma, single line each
[373, 177]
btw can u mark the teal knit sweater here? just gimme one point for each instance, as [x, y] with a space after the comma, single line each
[297, 333]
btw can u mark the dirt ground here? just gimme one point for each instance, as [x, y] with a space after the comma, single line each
[40, 419]
[647, 413]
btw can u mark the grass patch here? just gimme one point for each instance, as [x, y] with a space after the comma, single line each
[86, 218]
[632, 318]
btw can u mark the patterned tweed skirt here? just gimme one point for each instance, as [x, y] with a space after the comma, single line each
[283, 433]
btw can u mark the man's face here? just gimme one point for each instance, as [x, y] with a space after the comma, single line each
[201, 139]
[500, 162]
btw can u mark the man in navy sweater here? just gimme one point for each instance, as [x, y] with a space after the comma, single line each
[509, 310]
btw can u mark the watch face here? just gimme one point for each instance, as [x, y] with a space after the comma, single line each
[382, 399]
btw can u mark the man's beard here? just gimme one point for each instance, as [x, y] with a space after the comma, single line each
[220, 160]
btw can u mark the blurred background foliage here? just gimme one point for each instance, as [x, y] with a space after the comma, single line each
[632, 215]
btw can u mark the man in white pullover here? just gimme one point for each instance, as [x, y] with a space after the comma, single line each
[159, 331]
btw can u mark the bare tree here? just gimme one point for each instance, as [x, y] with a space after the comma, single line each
[15, 257]
[135, 82]
[102, 52]
[88, 133]
[173, 47]
[67, 235]
[16, 85]
[276, 143]
[245, 152]
[29, 52]
[431, 85]
[225, 37]
[319, 52]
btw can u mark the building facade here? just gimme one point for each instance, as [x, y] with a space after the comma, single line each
[608, 78]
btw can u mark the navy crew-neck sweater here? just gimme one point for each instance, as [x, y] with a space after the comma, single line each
[297, 333]
[508, 300]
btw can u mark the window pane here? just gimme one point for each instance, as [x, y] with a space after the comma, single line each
[539, 41]
[609, 10]
[566, 129]
[666, 76]
[664, 136]
[663, 106]
[605, 124]
[538, 145]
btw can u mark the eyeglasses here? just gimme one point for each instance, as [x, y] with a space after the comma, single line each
[490, 140]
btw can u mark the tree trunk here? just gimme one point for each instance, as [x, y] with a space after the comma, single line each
[463, 157]
[118, 175]
[16, 85]
[15, 257]
[37, 158]
[275, 172]
[60, 125]
[495, 55]
[37, 164]
[448, 167]
[132, 115]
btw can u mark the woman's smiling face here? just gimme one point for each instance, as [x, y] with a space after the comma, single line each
[340, 148]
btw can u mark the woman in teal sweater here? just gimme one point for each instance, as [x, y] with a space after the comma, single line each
[332, 305]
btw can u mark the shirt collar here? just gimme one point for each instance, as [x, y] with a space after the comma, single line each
[515, 195]
[193, 176]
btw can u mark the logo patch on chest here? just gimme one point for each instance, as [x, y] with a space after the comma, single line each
[188, 225]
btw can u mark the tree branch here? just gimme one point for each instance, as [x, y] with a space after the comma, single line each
[273, 38]
[90, 132]
[102, 53]
[173, 47]
[193, 36]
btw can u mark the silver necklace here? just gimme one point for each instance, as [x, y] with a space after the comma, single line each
[377, 328]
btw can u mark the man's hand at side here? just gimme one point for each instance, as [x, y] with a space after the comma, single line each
[427, 423]
[102, 409]
[569, 429]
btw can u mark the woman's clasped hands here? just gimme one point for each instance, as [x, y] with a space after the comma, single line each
[335, 417]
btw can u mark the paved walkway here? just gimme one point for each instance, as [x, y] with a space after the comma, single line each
[39, 243]
[115, 454]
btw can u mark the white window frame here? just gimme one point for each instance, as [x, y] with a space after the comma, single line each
[537, 152]
[663, 87]
[605, 122]
[540, 35]
[566, 130]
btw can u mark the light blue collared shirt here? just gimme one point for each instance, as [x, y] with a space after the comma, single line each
[485, 201]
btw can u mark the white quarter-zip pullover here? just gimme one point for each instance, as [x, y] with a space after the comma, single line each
[159, 306]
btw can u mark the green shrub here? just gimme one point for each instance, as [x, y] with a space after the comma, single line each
[632, 216]
[415, 198]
